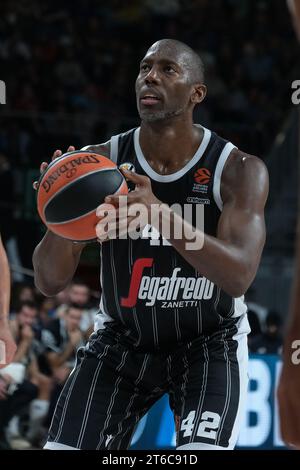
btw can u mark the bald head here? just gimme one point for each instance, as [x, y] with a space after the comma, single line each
[170, 82]
[184, 55]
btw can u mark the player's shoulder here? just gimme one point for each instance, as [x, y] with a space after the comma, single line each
[242, 166]
[105, 148]
[244, 176]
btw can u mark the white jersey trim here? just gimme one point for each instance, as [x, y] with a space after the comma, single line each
[242, 360]
[101, 318]
[240, 308]
[200, 446]
[114, 148]
[218, 173]
[178, 174]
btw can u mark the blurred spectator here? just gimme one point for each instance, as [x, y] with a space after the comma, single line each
[47, 308]
[7, 207]
[35, 387]
[6, 198]
[63, 296]
[270, 341]
[22, 326]
[62, 338]
[79, 294]
[21, 292]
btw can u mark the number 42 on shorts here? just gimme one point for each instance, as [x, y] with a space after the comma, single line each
[209, 423]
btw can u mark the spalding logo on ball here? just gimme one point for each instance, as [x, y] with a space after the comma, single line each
[71, 189]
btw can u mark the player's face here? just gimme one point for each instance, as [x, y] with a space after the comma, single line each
[162, 87]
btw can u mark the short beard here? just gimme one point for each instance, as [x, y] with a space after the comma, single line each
[160, 115]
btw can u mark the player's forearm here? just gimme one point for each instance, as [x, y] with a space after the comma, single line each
[4, 285]
[211, 257]
[55, 261]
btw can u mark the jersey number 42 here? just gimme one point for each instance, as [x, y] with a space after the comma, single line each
[208, 426]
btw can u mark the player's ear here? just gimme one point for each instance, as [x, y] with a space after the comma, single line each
[198, 93]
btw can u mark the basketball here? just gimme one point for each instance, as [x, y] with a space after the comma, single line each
[71, 189]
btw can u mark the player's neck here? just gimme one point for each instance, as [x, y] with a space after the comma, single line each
[169, 145]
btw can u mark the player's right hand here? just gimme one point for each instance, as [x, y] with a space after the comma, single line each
[58, 153]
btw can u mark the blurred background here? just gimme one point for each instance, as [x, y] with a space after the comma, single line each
[69, 69]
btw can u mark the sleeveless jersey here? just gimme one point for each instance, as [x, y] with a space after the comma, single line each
[151, 295]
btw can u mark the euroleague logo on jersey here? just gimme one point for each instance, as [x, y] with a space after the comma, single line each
[201, 179]
[202, 176]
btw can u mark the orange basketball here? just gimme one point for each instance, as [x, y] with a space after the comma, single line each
[71, 189]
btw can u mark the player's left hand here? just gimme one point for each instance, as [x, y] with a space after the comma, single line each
[118, 221]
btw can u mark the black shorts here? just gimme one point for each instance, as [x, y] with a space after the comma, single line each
[111, 389]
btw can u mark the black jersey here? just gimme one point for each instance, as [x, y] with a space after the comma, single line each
[150, 294]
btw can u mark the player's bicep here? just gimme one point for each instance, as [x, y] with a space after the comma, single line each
[242, 222]
[243, 228]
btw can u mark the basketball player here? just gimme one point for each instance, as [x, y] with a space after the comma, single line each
[171, 320]
[7, 344]
[289, 384]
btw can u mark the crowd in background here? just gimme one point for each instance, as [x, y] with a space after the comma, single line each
[48, 332]
[83, 57]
